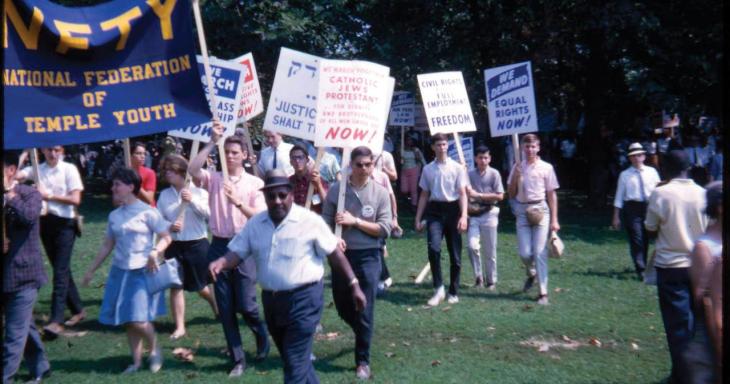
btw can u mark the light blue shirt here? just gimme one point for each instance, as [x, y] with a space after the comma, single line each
[132, 227]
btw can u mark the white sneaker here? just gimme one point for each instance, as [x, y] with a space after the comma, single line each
[388, 282]
[438, 297]
[453, 299]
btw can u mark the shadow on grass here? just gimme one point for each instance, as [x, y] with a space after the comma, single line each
[409, 295]
[626, 274]
[324, 363]
[112, 365]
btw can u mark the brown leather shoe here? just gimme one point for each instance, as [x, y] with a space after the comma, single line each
[75, 319]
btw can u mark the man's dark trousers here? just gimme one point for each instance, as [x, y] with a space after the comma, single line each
[442, 220]
[58, 235]
[21, 338]
[366, 266]
[292, 319]
[634, 213]
[675, 304]
[235, 292]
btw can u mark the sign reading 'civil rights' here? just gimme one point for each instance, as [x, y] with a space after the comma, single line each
[446, 102]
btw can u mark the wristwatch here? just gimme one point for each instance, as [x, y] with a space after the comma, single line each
[353, 281]
[239, 205]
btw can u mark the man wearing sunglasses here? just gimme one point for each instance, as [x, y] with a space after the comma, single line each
[288, 244]
[365, 221]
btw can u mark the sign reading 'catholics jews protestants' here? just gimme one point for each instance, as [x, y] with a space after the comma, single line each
[228, 81]
[84, 74]
[511, 99]
[353, 101]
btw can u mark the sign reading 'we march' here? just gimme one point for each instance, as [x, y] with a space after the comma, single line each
[511, 99]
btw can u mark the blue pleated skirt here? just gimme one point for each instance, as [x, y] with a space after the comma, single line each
[126, 298]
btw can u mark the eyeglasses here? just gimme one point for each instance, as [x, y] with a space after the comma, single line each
[297, 158]
[364, 165]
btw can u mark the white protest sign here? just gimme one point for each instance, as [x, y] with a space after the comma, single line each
[511, 99]
[251, 102]
[402, 109]
[420, 121]
[227, 80]
[446, 102]
[352, 103]
[292, 107]
[467, 146]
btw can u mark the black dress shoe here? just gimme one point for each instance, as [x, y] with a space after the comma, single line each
[237, 370]
[262, 352]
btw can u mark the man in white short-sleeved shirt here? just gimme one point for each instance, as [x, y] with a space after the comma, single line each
[635, 185]
[442, 204]
[60, 186]
[288, 244]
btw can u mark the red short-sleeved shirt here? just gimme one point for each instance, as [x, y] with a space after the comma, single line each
[149, 180]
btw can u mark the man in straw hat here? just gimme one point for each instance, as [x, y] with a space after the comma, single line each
[635, 185]
[288, 244]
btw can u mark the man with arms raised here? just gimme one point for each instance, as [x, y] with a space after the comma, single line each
[288, 245]
[232, 204]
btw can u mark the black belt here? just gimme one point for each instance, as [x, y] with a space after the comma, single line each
[633, 201]
[290, 291]
[222, 238]
[531, 202]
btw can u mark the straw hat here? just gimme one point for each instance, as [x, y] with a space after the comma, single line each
[636, 149]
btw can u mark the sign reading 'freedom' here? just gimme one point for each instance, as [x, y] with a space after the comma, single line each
[511, 99]
[446, 102]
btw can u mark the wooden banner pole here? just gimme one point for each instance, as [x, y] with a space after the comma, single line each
[457, 143]
[310, 188]
[343, 187]
[424, 272]
[127, 153]
[516, 150]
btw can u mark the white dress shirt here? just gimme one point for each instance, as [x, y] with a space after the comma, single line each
[628, 187]
[443, 181]
[288, 255]
[266, 160]
[196, 213]
[60, 180]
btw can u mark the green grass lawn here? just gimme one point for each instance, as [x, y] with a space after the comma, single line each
[489, 337]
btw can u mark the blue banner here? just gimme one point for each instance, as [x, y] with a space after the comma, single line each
[78, 75]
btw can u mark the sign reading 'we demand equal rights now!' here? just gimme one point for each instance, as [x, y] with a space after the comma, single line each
[78, 75]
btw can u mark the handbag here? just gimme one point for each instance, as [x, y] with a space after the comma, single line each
[534, 214]
[555, 246]
[476, 207]
[167, 276]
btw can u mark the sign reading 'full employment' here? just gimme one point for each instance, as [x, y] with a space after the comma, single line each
[446, 102]
[115, 70]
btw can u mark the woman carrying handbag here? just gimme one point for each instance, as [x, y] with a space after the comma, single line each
[127, 299]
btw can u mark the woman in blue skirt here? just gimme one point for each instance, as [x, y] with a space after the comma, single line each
[127, 301]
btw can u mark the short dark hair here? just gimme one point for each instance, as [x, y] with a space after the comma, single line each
[439, 137]
[482, 149]
[138, 144]
[713, 198]
[10, 158]
[360, 151]
[128, 176]
[298, 147]
[675, 163]
[235, 139]
[530, 138]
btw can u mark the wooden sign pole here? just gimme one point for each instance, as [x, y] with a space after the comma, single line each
[208, 79]
[310, 188]
[343, 187]
[127, 153]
